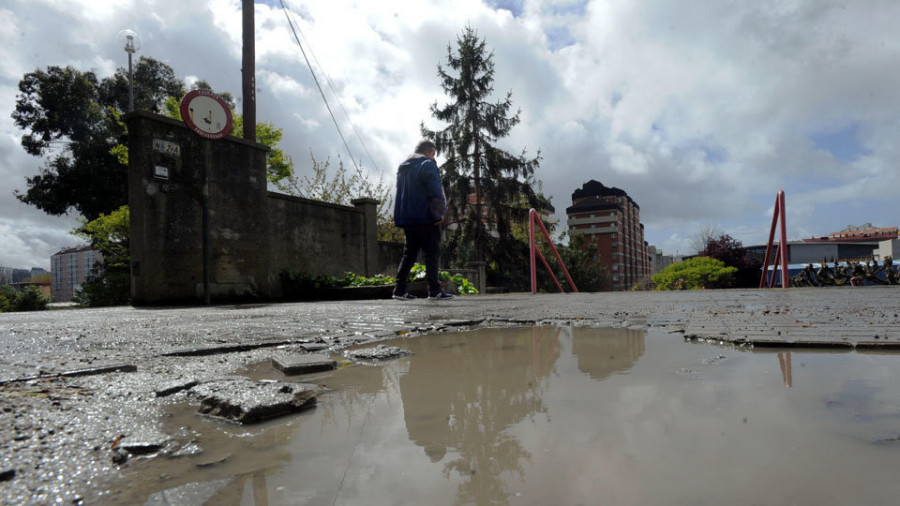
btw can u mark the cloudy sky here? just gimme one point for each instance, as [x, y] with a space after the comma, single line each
[701, 110]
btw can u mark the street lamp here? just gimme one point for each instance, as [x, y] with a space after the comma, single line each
[132, 43]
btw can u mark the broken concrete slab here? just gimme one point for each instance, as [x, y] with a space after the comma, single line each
[380, 352]
[175, 387]
[244, 401]
[303, 363]
[144, 442]
[90, 371]
[218, 349]
[313, 347]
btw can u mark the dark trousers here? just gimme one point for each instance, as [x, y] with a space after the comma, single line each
[426, 238]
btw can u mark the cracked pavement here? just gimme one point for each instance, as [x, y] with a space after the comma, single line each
[64, 421]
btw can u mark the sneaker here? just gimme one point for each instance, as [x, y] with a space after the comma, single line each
[442, 295]
[405, 296]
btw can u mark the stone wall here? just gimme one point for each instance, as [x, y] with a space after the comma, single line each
[253, 235]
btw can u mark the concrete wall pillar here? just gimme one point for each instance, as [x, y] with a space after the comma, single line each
[165, 194]
[370, 208]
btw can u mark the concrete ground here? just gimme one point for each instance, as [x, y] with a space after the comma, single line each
[62, 416]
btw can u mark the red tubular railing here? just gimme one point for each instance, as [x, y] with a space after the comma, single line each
[532, 216]
[782, 251]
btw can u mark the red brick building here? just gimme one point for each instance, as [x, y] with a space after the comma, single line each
[610, 218]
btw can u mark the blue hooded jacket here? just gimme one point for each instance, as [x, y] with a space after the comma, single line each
[420, 196]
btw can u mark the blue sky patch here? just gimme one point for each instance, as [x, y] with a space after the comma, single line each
[558, 38]
[616, 98]
[576, 8]
[843, 144]
[514, 6]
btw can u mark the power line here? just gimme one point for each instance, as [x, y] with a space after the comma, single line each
[295, 30]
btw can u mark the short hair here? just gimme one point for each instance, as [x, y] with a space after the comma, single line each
[424, 146]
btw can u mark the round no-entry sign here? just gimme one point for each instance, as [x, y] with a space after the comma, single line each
[206, 114]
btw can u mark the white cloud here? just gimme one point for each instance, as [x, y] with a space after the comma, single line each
[701, 111]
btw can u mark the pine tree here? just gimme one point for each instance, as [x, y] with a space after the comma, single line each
[501, 183]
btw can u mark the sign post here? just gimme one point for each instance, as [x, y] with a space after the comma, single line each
[207, 115]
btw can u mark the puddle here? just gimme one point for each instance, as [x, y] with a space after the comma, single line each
[557, 416]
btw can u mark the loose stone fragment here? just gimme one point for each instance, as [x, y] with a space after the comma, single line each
[380, 352]
[311, 347]
[303, 364]
[244, 401]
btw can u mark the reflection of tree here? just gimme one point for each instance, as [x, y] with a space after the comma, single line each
[600, 356]
[351, 393]
[465, 398]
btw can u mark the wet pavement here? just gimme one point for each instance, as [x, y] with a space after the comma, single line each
[86, 437]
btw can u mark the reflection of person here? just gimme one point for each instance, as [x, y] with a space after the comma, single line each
[419, 210]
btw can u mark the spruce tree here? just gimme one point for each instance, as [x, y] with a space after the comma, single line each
[499, 183]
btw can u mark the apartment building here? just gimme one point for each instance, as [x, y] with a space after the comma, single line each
[69, 268]
[612, 220]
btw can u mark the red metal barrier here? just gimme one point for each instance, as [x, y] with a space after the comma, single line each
[782, 251]
[532, 216]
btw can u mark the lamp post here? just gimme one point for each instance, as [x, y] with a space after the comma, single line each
[132, 44]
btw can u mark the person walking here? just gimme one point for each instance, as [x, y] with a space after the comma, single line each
[419, 208]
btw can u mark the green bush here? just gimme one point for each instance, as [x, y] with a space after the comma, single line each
[695, 274]
[304, 286]
[29, 299]
[463, 285]
[111, 288]
[7, 296]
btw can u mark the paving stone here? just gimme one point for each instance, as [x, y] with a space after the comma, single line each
[312, 347]
[380, 352]
[303, 363]
[244, 401]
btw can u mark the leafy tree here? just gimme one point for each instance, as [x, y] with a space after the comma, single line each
[694, 274]
[341, 188]
[109, 284]
[72, 118]
[500, 182]
[732, 253]
[154, 82]
[108, 234]
[580, 257]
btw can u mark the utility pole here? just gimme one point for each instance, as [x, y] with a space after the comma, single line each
[248, 70]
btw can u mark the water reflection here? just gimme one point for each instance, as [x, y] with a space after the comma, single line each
[601, 356]
[458, 405]
[784, 360]
[574, 416]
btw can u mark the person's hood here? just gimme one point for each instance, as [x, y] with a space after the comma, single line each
[413, 160]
